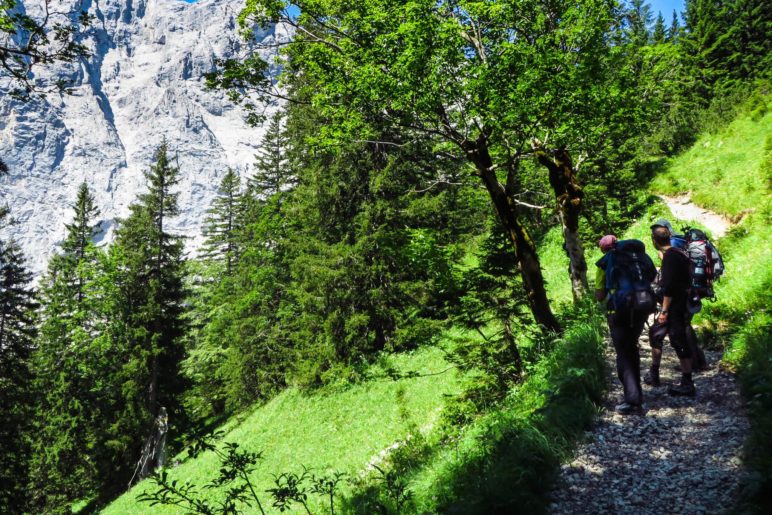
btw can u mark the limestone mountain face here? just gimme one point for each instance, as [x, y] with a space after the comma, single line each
[142, 82]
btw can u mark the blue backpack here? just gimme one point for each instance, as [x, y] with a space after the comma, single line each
[630, 272]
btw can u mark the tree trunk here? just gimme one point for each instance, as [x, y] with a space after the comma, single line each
[509, 337]
[568, 197]
[154, 451]
[525, 250]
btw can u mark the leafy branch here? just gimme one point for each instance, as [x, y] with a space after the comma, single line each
[236, 468]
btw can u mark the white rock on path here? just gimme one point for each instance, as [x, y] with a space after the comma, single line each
[142, 81]
[683, 208]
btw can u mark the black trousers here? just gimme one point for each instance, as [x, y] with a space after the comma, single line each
[625, 329]
[677, 328]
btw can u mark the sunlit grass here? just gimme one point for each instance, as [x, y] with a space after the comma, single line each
[335, 431]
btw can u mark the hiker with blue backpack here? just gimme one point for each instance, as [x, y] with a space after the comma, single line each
[623, 279]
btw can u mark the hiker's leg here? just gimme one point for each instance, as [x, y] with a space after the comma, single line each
[677, 331]
[698, 357]
[656, 357]
[628, 359]
[634, 338]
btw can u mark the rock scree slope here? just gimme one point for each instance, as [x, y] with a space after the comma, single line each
[142, 81]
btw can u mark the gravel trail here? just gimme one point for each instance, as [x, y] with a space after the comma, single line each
[682, 207]
[682, 456]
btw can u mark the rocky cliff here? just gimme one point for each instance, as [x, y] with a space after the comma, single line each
[142, 81]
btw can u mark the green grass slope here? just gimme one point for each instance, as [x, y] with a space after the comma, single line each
[339, 431]
[724, 170]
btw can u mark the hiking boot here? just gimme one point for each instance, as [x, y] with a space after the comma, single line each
[652, 378]
[683, 389]
[628, 409]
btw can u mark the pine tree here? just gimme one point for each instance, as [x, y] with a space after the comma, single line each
[67, 444]
[221, 226]
[148, 320]
[659, 33]
[705, 28]
[272, 167]
[674, 31]
[17, 332]
[749, 36]
[638, 20]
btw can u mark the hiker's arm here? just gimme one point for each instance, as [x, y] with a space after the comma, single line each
[662, 317]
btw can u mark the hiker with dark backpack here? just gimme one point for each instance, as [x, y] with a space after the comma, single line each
[675, 283]
[623, 279]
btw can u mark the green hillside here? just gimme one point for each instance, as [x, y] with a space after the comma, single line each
[345, 430]
[336, 430]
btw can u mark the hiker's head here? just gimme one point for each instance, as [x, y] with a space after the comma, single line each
[660, 236]
[607, 242]
[663, 222]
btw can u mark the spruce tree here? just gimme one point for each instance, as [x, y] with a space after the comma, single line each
[638, 20]
[148, 320]
[69, 421]
[675, 28]
[272, 167]
[17, 332]
[221, 225]
[659, 33]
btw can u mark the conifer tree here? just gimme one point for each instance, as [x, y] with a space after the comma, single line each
[638, 20]
[272, 168]
[675, 28]
[221, 226]
[148, 320]
[659, 33]
[68, 423]
[17, 332]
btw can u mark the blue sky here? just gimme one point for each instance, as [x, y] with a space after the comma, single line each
[666, 6]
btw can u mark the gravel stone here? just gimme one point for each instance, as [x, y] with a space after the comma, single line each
[682, 456]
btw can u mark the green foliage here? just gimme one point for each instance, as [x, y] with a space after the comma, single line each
[491, 309]
[273, 170]
[221, 225]
[146, 324]
[17, 333]
[30, 40]
[69, 458]
[727, 42]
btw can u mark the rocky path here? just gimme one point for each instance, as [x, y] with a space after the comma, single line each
[682, 456]
[684, 209]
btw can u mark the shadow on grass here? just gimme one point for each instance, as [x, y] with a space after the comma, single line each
[512, 455]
